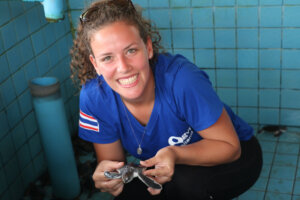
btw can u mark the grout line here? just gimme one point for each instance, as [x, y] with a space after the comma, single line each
[34, 53]
[170, 23]
[271, 166]
[280, 69]
[214, 48]
[258, 67]
[193, 30]
[13, 18]
[297, 169]
[236, 59]
[17, 96]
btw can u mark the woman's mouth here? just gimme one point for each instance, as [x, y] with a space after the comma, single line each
[128, 82]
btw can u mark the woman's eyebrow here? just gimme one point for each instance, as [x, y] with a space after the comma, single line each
[103, 54]
[109, 53]
[130, 45]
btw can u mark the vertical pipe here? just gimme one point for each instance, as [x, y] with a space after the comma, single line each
[54, 10]
[55, 136]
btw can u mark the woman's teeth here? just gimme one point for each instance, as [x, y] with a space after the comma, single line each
[128, 81]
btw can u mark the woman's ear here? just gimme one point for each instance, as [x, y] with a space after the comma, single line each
[93, 61]
[149, 48]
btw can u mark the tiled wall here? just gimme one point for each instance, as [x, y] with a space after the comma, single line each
[250, 49]
[29, 47]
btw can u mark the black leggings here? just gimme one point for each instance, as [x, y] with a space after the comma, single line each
[196, 182]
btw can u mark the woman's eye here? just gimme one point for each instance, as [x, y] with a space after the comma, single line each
[106, 59]
[131, 51]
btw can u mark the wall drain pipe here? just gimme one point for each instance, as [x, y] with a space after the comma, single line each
[53, 9]
[55, 136]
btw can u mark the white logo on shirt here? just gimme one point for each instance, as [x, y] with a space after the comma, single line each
[183, 140]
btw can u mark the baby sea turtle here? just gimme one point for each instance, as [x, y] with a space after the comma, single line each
[129, 172]
[275, 129]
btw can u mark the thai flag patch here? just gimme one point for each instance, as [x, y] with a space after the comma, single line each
[88, 122]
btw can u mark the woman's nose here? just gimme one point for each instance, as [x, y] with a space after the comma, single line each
[123, 65]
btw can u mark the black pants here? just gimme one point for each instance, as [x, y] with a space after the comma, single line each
[196, 182]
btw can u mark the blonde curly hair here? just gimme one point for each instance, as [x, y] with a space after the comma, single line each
[99, 14]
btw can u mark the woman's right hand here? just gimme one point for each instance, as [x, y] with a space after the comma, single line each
[113, 186]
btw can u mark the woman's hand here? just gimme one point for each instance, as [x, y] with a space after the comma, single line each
[113, 186]
[164, 163]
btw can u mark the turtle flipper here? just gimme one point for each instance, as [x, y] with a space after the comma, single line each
[149, 181]
[112, 175]
[125, 173]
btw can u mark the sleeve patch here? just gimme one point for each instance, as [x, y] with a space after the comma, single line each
[88, 122]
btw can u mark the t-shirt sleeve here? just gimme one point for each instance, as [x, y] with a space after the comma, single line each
[197, 102]
[95, 123]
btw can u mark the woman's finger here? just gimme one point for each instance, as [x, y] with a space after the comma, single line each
[148, 163]
[112, 183]
[153, 191]
[160, 171]
[116, 186]
[107, 165]
[162, 179]
[118, 190]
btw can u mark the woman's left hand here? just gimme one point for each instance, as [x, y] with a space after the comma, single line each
[163, 163]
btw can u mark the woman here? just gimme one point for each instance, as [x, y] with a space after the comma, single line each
[158, 107]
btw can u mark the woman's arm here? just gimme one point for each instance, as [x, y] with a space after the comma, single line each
[110, 157]
[220, 144]
[112, 151]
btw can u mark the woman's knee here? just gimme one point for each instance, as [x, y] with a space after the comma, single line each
[188, 182]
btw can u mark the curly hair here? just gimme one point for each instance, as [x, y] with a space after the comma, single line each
[99, 14]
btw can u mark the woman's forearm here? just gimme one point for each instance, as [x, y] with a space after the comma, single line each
[206, 152]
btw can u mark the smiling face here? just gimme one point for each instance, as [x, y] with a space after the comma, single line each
[122, 58]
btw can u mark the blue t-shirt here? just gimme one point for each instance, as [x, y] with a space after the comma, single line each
[185, 102]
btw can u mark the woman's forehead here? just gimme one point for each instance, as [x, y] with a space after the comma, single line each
[116, 36]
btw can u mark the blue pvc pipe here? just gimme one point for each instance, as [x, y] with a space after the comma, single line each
[55, 136]
[53, 9]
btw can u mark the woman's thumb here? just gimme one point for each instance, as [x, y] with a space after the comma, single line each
[112, 165]
[148, 163]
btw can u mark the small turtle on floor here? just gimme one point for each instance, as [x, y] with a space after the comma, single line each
[129, 172]
[275, 129]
